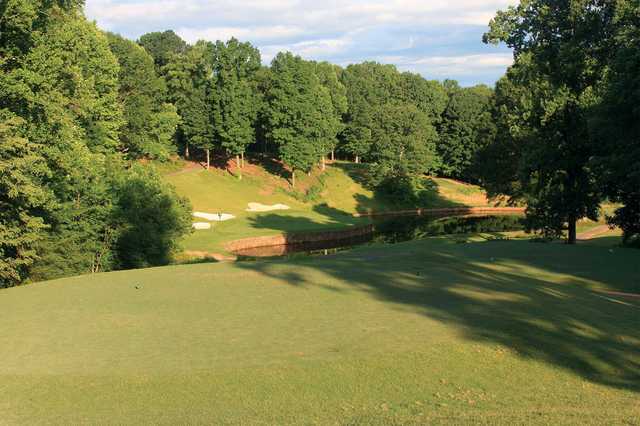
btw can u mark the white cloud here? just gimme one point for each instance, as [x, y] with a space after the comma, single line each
[443, 66]
[315, 15]
[192, 35]
[314, 49]
[434, 37]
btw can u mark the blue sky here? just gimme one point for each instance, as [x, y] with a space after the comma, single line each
[436, 38]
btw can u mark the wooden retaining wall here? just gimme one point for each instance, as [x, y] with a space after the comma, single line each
[298, 238]
[312, 237]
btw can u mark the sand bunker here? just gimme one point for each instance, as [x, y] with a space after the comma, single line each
[257, 207]
[216, 217]
[201, 225]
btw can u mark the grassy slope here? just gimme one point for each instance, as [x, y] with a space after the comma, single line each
[422, 332]
[217, 191]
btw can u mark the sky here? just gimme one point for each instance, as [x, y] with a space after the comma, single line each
[437, 38]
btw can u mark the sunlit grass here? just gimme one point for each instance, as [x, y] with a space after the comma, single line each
[429, 331]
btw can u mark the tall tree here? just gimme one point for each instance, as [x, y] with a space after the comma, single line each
[428, 96]
[22, 197]
[616, 120]
[404, 148]
[559, 39]
[60, 119]
[149, 122]
[328, 75]
[188, 79]
[236, 100]
[299, 113]
[163, 46]
[368, 85]
[151, 219]
[466, 126]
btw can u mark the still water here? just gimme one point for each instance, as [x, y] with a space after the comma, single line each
[392, 231]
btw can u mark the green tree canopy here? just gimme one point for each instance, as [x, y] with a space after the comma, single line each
[368, 85]
[189, 83]
[149, 123]
[60, 122]
[151, 219]
[22, 197]
[404, 147]
[466, 126]
[300, 113]
[163, 46]
[429, 96]
[236, 100]
[616, 120]
[559, 41]
[329, 76]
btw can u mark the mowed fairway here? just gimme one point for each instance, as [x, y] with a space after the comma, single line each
[426, 332]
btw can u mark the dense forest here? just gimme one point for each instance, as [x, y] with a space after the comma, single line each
[83, 111]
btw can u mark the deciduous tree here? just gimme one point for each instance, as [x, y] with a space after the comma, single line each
[559, 41]
[149, 122]
[236, 100]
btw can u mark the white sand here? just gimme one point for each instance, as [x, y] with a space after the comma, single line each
[216, 217]
[257, 207]
[201, 225]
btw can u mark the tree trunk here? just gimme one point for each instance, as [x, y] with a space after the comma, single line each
[357, 160]
[573, 233]
[186, 150]
[208, 159]
[333, 155]
[324, 165]
[239, 167]
[293, 178]
[242, 159]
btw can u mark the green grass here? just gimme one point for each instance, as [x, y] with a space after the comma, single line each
[341, 195]
[427, 332]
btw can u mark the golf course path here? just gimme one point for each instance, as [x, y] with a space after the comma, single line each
[594, 232]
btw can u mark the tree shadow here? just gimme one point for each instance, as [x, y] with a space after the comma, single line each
[271, 164]
[540, 307]
[428, 196]
[333, 219]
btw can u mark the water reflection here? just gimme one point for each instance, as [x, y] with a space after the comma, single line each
[396, 230]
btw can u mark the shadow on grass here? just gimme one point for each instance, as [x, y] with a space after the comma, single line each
[428, 197]
[508, 299]
[333, 219]
[271, 165]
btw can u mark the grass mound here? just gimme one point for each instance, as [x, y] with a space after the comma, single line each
[423, 332]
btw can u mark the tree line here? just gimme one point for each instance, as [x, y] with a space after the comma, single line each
[303, 112]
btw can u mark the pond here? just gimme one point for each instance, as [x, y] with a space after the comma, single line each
[392, 231]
